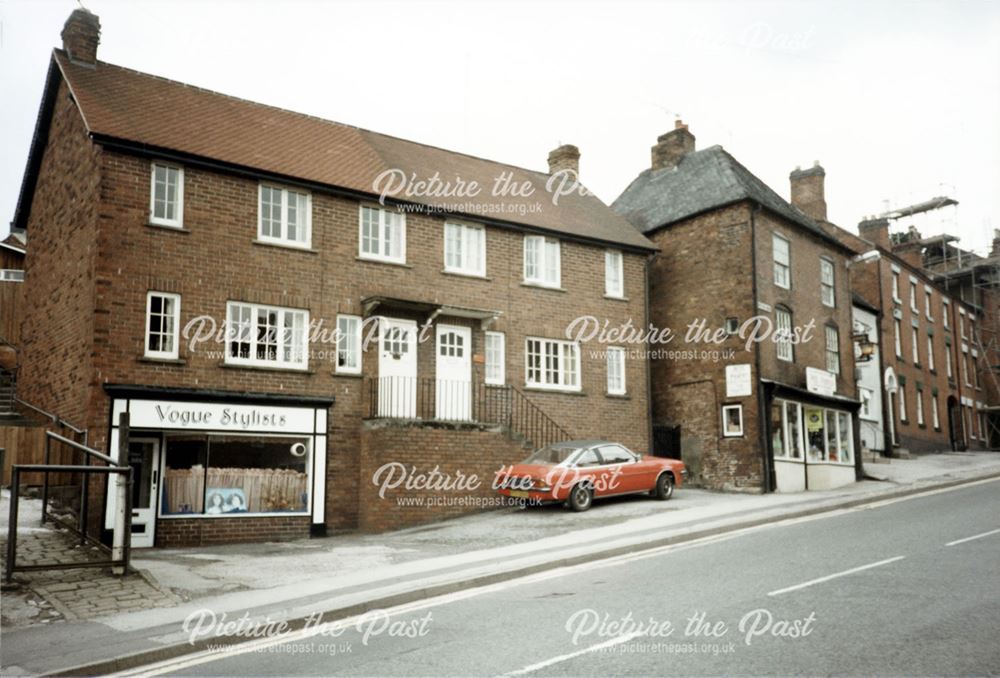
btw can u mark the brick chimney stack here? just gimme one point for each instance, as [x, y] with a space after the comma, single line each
[566, 157]
[81, 35]
[672, 146]
[808, 192]
[995, 251]
[876, 230]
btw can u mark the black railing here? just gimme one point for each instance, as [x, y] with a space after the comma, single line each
[461, 401]
[94, 462]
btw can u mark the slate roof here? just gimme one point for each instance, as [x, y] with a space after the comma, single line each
[150, 112]
[703, 180]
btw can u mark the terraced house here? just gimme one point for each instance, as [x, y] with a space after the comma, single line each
[738, 262]
[159, 212]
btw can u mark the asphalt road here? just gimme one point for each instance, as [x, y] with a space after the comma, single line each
[878, 591]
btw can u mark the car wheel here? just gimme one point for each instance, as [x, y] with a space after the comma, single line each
[664, 487]
[580, 498]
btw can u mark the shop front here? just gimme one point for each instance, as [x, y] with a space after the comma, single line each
[213, 467]
[812, 439]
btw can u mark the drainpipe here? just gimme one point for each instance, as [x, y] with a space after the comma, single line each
[767, 468]
[649, 365]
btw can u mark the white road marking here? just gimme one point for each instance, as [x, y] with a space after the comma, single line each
[834, 576]
[975, 536]
[565, 657]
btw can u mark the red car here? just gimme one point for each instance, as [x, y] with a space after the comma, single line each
[578, 471]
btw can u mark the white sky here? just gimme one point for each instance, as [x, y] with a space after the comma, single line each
[899, 101]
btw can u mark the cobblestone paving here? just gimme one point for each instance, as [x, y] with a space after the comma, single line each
[55, 595]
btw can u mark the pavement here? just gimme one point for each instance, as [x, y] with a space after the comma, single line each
[347, 574]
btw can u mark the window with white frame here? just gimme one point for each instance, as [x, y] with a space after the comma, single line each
[166, 195]
[915, 344]
[614, 274]
[496, 358]
[11, 275]
[163, 319]
[783, 334]
[832, 350]
[961, 322]
[284, 216]
[913, 295]
[927, 304]
[898, 331]
[930, 352]
[732, 421]
[867, 396]
[826, 282]
[965, 365]
[782, 261]
[542, 261]
[895, 286]
[935, 415]
[946, 313]
[382, 234]
[920, 407]
[266, 336]
[949, 370]
[616, 371]
[349, 344]
[975, 369]
[901, 394]
[552, 364]
[464, 249]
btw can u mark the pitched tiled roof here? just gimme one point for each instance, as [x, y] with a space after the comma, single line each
[703, 180]
[137, 108]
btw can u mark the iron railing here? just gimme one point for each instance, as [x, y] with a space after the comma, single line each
[121, 548]
[427, 399]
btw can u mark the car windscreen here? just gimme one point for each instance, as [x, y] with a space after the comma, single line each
[550, 455]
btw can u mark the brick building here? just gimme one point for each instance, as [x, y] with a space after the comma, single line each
[929, 388]
[342, 333]
[772, 414]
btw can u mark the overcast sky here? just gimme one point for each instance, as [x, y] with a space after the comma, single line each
[899, 101]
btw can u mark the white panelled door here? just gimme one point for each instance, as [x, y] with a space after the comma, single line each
[144, 458]
[453, 391]
[397, 368]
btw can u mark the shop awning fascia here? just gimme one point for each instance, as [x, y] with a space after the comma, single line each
[780, 390]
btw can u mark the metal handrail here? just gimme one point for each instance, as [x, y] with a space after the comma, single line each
[55, 418]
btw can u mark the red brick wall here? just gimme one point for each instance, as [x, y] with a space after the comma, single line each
[704, 270]
[452, 449]
[805, 302]
[60, 334]
[204, 531]
[873, 280]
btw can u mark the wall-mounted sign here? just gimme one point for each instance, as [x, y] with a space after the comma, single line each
[739, 382]
[820, 381]
[197, 416]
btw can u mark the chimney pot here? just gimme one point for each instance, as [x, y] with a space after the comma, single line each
[671, 147]
[566, 157]
[81, 34]
[809, 192]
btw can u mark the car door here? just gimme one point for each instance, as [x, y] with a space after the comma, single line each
[590, 466]
[625, 472]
